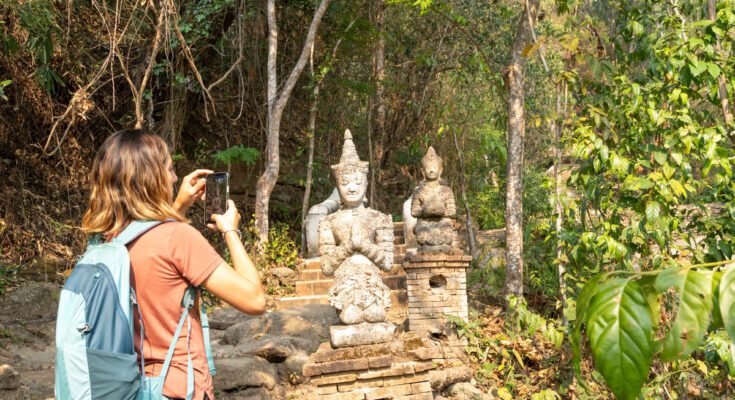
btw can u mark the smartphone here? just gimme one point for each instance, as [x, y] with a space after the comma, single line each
[217, 194]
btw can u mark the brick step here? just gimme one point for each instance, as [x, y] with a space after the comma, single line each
[315, 274]
[321, 286]
[314, 263]
[398, 298]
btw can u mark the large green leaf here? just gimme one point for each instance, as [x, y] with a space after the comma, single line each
[716, 314]
[620, 328]
[647, 283]
[727, 300]
[693, 315]
[583, 300]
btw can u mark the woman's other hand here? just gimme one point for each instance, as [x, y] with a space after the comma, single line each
[192, 189]
[229, 221]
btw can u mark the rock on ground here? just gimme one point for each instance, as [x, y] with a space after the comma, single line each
[286, 276]
[246, 372]
[441, 378]
[466, 391]
[311, 321]
[9, 377]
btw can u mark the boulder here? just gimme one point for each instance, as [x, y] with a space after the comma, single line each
[224, 317]
[9, 377]
[286, 276]
[441, 378]
[246, 394]
[310, 321]
[245, 372]
[292, 369]
[466, 391]
[248, 330]
[277, 349]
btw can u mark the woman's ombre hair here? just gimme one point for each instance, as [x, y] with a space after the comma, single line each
[130, 181]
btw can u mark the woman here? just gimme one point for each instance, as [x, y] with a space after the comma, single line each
[132, 179]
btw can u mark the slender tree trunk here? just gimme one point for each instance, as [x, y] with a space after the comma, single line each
[514, 167]
[721, 85]
[311, 131]
[376, 105]
[560, 117]
[276, 104]
[468, 215]
[369, 125]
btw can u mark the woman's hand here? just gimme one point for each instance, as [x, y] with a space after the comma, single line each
[229, 221]
[192, 189]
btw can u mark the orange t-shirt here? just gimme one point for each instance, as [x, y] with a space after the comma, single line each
[164, 262]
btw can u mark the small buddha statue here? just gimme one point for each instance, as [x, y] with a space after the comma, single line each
[355, 244]
[432, 204]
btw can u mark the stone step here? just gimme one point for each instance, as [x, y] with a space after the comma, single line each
[312, 264]
[398, 298]
[285, 302]
[321, 286]
[313, 288]
[315, 274]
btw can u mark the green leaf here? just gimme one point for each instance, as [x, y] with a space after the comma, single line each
[620, 328]
[583, 300]
[713, 70]
[634, 182]
[695, 306]
[660, 157]
[696, 67]
[619, 164]
[677, 187]
[647, 283]
[727, 300]
[716, 314]
[653, 211]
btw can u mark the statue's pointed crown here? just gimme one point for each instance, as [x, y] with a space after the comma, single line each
[431, 156]
[349, 161]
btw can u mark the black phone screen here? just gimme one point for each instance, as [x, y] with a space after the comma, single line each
[217, 194]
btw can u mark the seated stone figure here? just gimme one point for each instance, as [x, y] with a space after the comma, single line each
[316, 214]
[432, 204]
[355, 243]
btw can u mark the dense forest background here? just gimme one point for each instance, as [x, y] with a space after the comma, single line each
[598, 132]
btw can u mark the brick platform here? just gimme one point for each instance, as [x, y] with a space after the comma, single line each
[436, 286]
[398, 369]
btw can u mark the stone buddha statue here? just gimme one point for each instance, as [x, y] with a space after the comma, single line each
[355, 244]
[432, 204]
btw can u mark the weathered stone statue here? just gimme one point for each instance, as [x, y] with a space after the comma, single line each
[432, 204]
[316, 214]
[355, 243]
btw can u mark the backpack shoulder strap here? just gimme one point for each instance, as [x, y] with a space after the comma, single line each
[135, 229]
[205, 332]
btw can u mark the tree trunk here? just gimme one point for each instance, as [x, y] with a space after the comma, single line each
[514, 166]
[276, 104]
[468, 215]
[560, 117]
[721, 85]
[378, 104]
[311, 131]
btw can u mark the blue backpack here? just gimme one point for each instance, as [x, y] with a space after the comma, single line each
[95, 353]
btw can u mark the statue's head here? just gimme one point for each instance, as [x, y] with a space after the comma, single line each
[350, 174]
[432, 165]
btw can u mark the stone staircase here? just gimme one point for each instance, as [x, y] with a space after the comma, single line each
[312, 285]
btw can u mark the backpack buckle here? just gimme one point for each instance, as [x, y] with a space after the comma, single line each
[84, 328]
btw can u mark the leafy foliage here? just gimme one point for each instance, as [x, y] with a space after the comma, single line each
[238, 153]
[621, 321]
[619, 325]
[38, 19]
